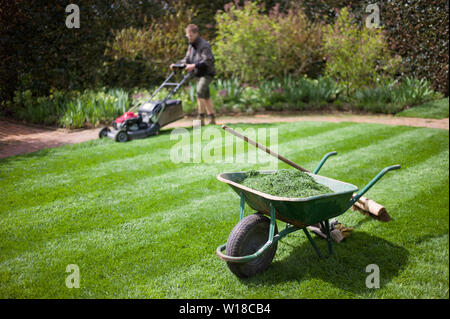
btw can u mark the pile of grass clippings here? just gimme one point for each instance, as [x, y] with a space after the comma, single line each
[285, 183]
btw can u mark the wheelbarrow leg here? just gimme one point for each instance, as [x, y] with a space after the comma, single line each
[242, 206]
[330, 243]
[326, 226]
[313, 243]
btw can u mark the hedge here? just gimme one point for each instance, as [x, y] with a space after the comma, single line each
[38, 52]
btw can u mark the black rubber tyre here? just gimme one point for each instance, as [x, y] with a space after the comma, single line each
[121, 136]
[249, 235]
[103, 132]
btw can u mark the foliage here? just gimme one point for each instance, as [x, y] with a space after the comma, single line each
[314, 91]
[412, 91]
[39, 110]
[394, 97]
[415, 30]
[357, 57]
[69, 109]
[229, 90]
[76, 109]
[153, 46]
[40, 53]
[419, 32]
[378, 99]
[95, 107]
[298, 42]
[288, 93]
[303, 93]
[244, 46]
[252, 45]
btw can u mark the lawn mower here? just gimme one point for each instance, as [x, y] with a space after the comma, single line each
[151, 116]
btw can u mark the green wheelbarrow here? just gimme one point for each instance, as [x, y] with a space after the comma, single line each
[252, 243]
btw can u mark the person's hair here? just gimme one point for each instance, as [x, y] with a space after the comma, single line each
[192, 28]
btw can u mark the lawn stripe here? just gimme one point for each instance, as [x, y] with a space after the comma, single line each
[141, 187]
[72, 157]
[157, 157]
[81, 183]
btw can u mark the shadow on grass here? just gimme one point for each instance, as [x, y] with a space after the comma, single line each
[345, 270]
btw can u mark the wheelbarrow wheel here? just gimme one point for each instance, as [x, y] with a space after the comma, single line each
[246, 238]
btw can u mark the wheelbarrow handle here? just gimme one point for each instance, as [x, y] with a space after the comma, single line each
[371, 183]
[319, 166]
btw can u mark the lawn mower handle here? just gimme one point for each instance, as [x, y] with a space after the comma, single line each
[179, 66]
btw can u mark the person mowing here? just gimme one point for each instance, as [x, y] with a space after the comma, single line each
[199, 58]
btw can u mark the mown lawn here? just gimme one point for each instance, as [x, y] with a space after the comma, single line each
[438, 109]
[141, 226]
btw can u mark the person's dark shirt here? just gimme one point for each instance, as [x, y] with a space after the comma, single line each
[199, 53]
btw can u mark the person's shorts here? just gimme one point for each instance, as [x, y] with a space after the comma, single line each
[203, 86]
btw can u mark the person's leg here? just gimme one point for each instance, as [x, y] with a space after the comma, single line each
[210, 111]
[201, 110]
[209, 106]
[204, 95]
[200, 103]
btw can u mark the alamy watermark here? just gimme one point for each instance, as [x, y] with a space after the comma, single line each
[373, 19]
[373, 279]
[73, 280]
[213, 145]
[73, 19]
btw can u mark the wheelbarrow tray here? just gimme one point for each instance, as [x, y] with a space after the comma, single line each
[300, 212]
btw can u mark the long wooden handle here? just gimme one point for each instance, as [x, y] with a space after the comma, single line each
[265, 149]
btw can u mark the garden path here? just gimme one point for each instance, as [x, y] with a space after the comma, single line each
[17, 138]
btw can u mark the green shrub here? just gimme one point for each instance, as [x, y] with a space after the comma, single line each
[303, 92]
[415, 30]
[298, 42]
[254, 46]
[412, 91]
[229, 90]
[38, 110]
[244, 46]
[377, 100]
[394, 97]
[357, 56]
[38, 52]
[69, 109]
[155, 46]
[95, 107]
